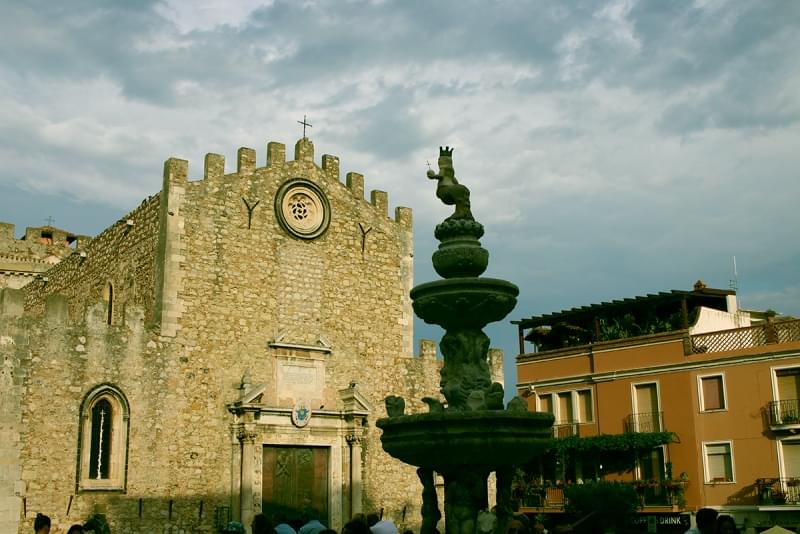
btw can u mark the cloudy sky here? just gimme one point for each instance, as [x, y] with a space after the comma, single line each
[612, 149]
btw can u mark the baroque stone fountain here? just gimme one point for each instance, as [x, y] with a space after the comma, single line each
[471, 434]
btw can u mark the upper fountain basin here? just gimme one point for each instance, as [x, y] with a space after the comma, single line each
[464, 302]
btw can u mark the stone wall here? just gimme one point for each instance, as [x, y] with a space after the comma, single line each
[21, 260]
[12, 377]
[123, 256]
[51, 363]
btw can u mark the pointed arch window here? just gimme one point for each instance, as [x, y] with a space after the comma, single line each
[103, 440]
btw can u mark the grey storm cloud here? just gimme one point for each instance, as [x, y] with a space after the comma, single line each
[612, 148]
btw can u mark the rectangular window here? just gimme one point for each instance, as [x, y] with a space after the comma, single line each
[788, 384]
[585, 409]
[712, 393]
[566, 413]
[546, 403]
[791, 458]
[647, 417]
[568, 406]
[719, 462]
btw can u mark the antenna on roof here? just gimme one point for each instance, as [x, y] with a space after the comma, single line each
[733, 283]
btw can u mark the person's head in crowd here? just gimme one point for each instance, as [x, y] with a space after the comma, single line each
[726, 525]
[355, 526]
[41, 525]
[262, 525]
[706, 519]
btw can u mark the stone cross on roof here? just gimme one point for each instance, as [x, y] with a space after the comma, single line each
[304, 123]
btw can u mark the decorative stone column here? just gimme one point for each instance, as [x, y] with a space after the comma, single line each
[236, 471]
[247, 437]
[354, 440]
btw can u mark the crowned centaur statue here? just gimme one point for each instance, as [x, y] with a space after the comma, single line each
[449, 190]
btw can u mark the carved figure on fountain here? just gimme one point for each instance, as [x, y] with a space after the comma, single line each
[459, 381]
[464, 494]
[460, 253]
[430, 501]
[395, 406]
[448, 189]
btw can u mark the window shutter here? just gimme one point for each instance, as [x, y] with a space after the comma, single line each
[791, 458]
[585, 413]
[719, 463]
[565, 412]
[713, 397]
[546, 403]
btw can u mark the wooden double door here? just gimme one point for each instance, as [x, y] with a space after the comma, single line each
[295, 481]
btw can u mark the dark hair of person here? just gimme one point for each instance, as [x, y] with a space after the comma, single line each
[372, 518]
[261, 525]
[706, 518]
[355, 527]
[721, 520]
[75, 529]
[41, 521]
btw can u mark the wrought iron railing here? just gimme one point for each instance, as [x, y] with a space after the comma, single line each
[565, 430]
[645, 422]
[784, 412]
[651, 493]
[778, 490]
[222, 515]
[752, 336]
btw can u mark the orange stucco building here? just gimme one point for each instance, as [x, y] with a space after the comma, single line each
[725, 382]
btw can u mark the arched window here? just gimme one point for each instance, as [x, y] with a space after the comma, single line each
[103, 446]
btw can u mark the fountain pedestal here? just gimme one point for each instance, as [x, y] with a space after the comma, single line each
[471, 434]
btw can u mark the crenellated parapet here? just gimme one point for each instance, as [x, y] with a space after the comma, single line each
[214, 176]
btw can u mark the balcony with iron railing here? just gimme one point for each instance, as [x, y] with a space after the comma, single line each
[652, 493]
[566, 429]
[645, 422]
[741, 338]
[784, 414]
[778, 490]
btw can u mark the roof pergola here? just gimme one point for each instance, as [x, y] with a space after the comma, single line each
[587, 318]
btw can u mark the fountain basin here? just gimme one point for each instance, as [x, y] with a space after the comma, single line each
[464, 302]
[452, 439]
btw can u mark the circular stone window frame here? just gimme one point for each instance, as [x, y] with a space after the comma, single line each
[305, 186]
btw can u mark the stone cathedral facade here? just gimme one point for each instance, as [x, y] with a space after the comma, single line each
[222, 350]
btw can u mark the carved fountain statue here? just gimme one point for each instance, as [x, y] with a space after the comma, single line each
[471, 434]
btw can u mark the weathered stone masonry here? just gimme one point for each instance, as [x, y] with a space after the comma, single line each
[221, 321]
